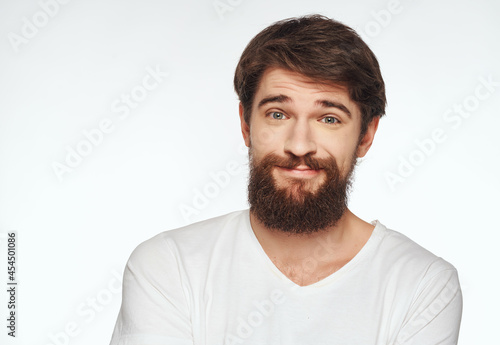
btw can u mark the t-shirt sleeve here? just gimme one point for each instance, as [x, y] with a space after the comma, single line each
[435, 314]
[154, 307]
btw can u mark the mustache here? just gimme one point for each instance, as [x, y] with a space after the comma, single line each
[291, 162]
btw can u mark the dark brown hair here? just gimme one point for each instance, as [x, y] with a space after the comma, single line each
[320, 48]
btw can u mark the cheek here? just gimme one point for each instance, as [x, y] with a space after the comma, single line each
[263, 138]
[342, 148]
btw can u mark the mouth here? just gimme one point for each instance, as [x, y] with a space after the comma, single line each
[299, 171]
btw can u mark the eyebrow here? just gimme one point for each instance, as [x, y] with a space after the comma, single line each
[330, 104]
[277, 99]
[321, 102]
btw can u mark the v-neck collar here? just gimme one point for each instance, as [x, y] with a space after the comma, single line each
[372, 242]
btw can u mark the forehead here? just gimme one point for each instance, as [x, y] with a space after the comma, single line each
[300, 87]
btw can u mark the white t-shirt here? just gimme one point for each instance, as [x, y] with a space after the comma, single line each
[211, 283]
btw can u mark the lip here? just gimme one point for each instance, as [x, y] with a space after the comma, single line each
[299, 171]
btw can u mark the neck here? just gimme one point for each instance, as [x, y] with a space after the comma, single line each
[327, 248]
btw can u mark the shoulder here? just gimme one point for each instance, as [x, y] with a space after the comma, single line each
[192, 239]
[424, 287]
[399, 256]
[208, 228]
[400, 249]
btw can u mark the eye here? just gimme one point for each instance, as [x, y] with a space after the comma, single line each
[330, 120]
[277, 115]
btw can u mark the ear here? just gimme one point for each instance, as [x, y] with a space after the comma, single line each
[366, 142]
[245, 128]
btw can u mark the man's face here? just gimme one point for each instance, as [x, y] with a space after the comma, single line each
[303, 138]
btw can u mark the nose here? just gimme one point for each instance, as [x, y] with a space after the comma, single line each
[300, 139]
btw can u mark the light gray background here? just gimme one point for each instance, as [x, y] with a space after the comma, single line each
[76, 233]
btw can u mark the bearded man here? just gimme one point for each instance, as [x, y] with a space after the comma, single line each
[298, 267]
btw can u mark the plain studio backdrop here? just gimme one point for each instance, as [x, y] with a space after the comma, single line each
[118, 121]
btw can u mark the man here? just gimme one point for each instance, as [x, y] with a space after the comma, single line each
[297, 267]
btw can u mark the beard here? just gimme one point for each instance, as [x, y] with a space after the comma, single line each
[295, 208]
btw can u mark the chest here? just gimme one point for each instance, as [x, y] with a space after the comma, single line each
[278, 314]
[309, 271]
